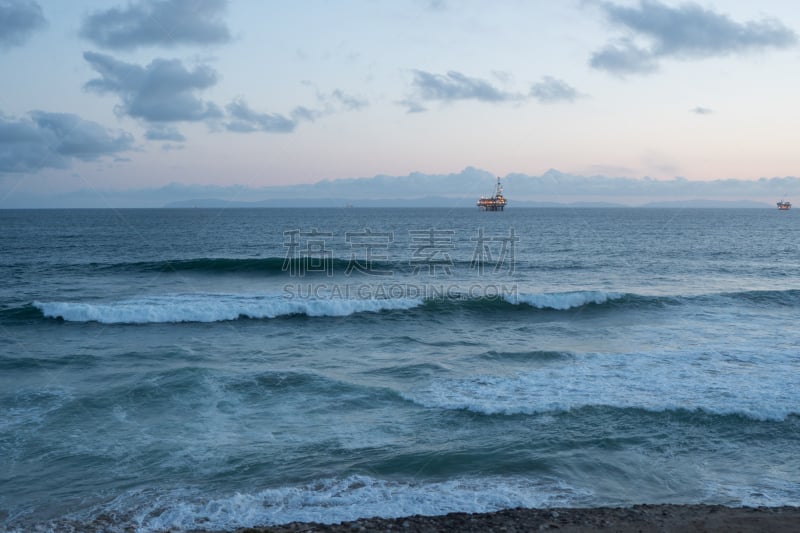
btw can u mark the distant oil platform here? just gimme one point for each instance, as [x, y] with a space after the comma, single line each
[493, 203]
[784, 205]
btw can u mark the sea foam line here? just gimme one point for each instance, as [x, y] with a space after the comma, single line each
[334, 500]
[625, 381]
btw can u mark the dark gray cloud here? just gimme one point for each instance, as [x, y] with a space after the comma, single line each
[455, 86]
[53, 140]
[550, 90]
[451, 87]
[158, 22]
[412, 105]
[243, 119]
[335, 101]
[162, 132]
[688, 31]
[624, 57]
[699, 110]
[348, 102]
[18, 19]
[163, 91]
[302, 113]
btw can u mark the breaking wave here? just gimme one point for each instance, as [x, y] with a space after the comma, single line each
[223, 307]
[211, 308]
[564, 300]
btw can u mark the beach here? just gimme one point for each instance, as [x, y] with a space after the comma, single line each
[639, 518]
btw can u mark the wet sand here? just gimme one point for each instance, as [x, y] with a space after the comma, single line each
[639, 518]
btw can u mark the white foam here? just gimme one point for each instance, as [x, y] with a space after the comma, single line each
[654, 382]
[213, 308]
[335, 500]
[767, 491]
[562, 301]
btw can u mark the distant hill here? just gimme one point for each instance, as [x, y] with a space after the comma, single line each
[431, 201]
[700, 202]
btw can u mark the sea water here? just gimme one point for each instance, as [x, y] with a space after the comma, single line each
[219, 368]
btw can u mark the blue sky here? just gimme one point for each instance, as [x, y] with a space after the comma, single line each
[139, 94]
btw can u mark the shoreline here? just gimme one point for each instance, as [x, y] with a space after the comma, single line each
[638, 518]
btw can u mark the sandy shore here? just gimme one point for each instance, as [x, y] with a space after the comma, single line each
[640, 518]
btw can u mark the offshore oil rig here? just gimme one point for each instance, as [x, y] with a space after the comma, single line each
[784, 205]
[493, 203]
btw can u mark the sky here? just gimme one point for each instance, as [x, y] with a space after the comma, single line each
[141, 94]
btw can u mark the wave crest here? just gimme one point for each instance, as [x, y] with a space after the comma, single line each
[223, 307]
[212, 308]
[561, 301]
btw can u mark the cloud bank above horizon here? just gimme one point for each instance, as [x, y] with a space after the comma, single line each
[448, 190]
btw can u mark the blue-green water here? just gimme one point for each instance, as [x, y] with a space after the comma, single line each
[221, 368]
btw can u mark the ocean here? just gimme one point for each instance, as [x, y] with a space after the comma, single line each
[219, 368]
